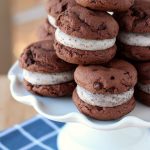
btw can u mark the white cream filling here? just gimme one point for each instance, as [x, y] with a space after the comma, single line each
[101, 100]
[83, 44]
[144, 87]
[47, 79]
[52, 21]
[110, 12]
[135, 39]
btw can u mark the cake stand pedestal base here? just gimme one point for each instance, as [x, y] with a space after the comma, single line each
[79, 137]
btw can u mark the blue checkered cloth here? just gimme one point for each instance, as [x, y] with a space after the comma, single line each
[37, 133]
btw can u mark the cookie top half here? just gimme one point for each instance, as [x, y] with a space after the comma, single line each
[136, 19]
[81, 22]
[56, 7]
[107, 5]
[114, 78]
[41, 57]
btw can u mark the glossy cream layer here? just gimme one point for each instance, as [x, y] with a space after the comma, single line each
[83, 44]
[135, 39]
[52, 21]
[47, 79]
[101, 100]
[144, 87]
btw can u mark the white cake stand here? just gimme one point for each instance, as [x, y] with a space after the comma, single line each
[83, 133]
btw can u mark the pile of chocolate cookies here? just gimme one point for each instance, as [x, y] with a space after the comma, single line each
[85, 51]
[134, 42]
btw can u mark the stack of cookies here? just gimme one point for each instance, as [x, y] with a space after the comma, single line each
[134, 41]
[105, 92]
[84, 36]
[44, 73]
[83, 33]
[87, 37]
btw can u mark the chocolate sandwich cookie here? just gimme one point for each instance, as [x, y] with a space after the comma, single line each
[135, 31]
[56, 7]
[143, 92]
[84, 36]
[44, 73]
[107, 5]
[46, 31]
[105, 92]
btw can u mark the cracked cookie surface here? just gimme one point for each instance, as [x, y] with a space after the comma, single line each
[113, 78]
[56, 7]
[136, 19]
[87, 24]
[107, 5]
[41, 57]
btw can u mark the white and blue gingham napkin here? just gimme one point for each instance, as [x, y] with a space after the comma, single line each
[37, 133]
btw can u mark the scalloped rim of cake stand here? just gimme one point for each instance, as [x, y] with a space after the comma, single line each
[15, 77]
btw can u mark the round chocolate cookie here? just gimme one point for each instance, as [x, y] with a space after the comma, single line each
[83, 34]
[143, 92]
[136, 19]
[44, 73]
[107, 5]
[56, 7]
[46, 31]
[105, 92]
[135, 31]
